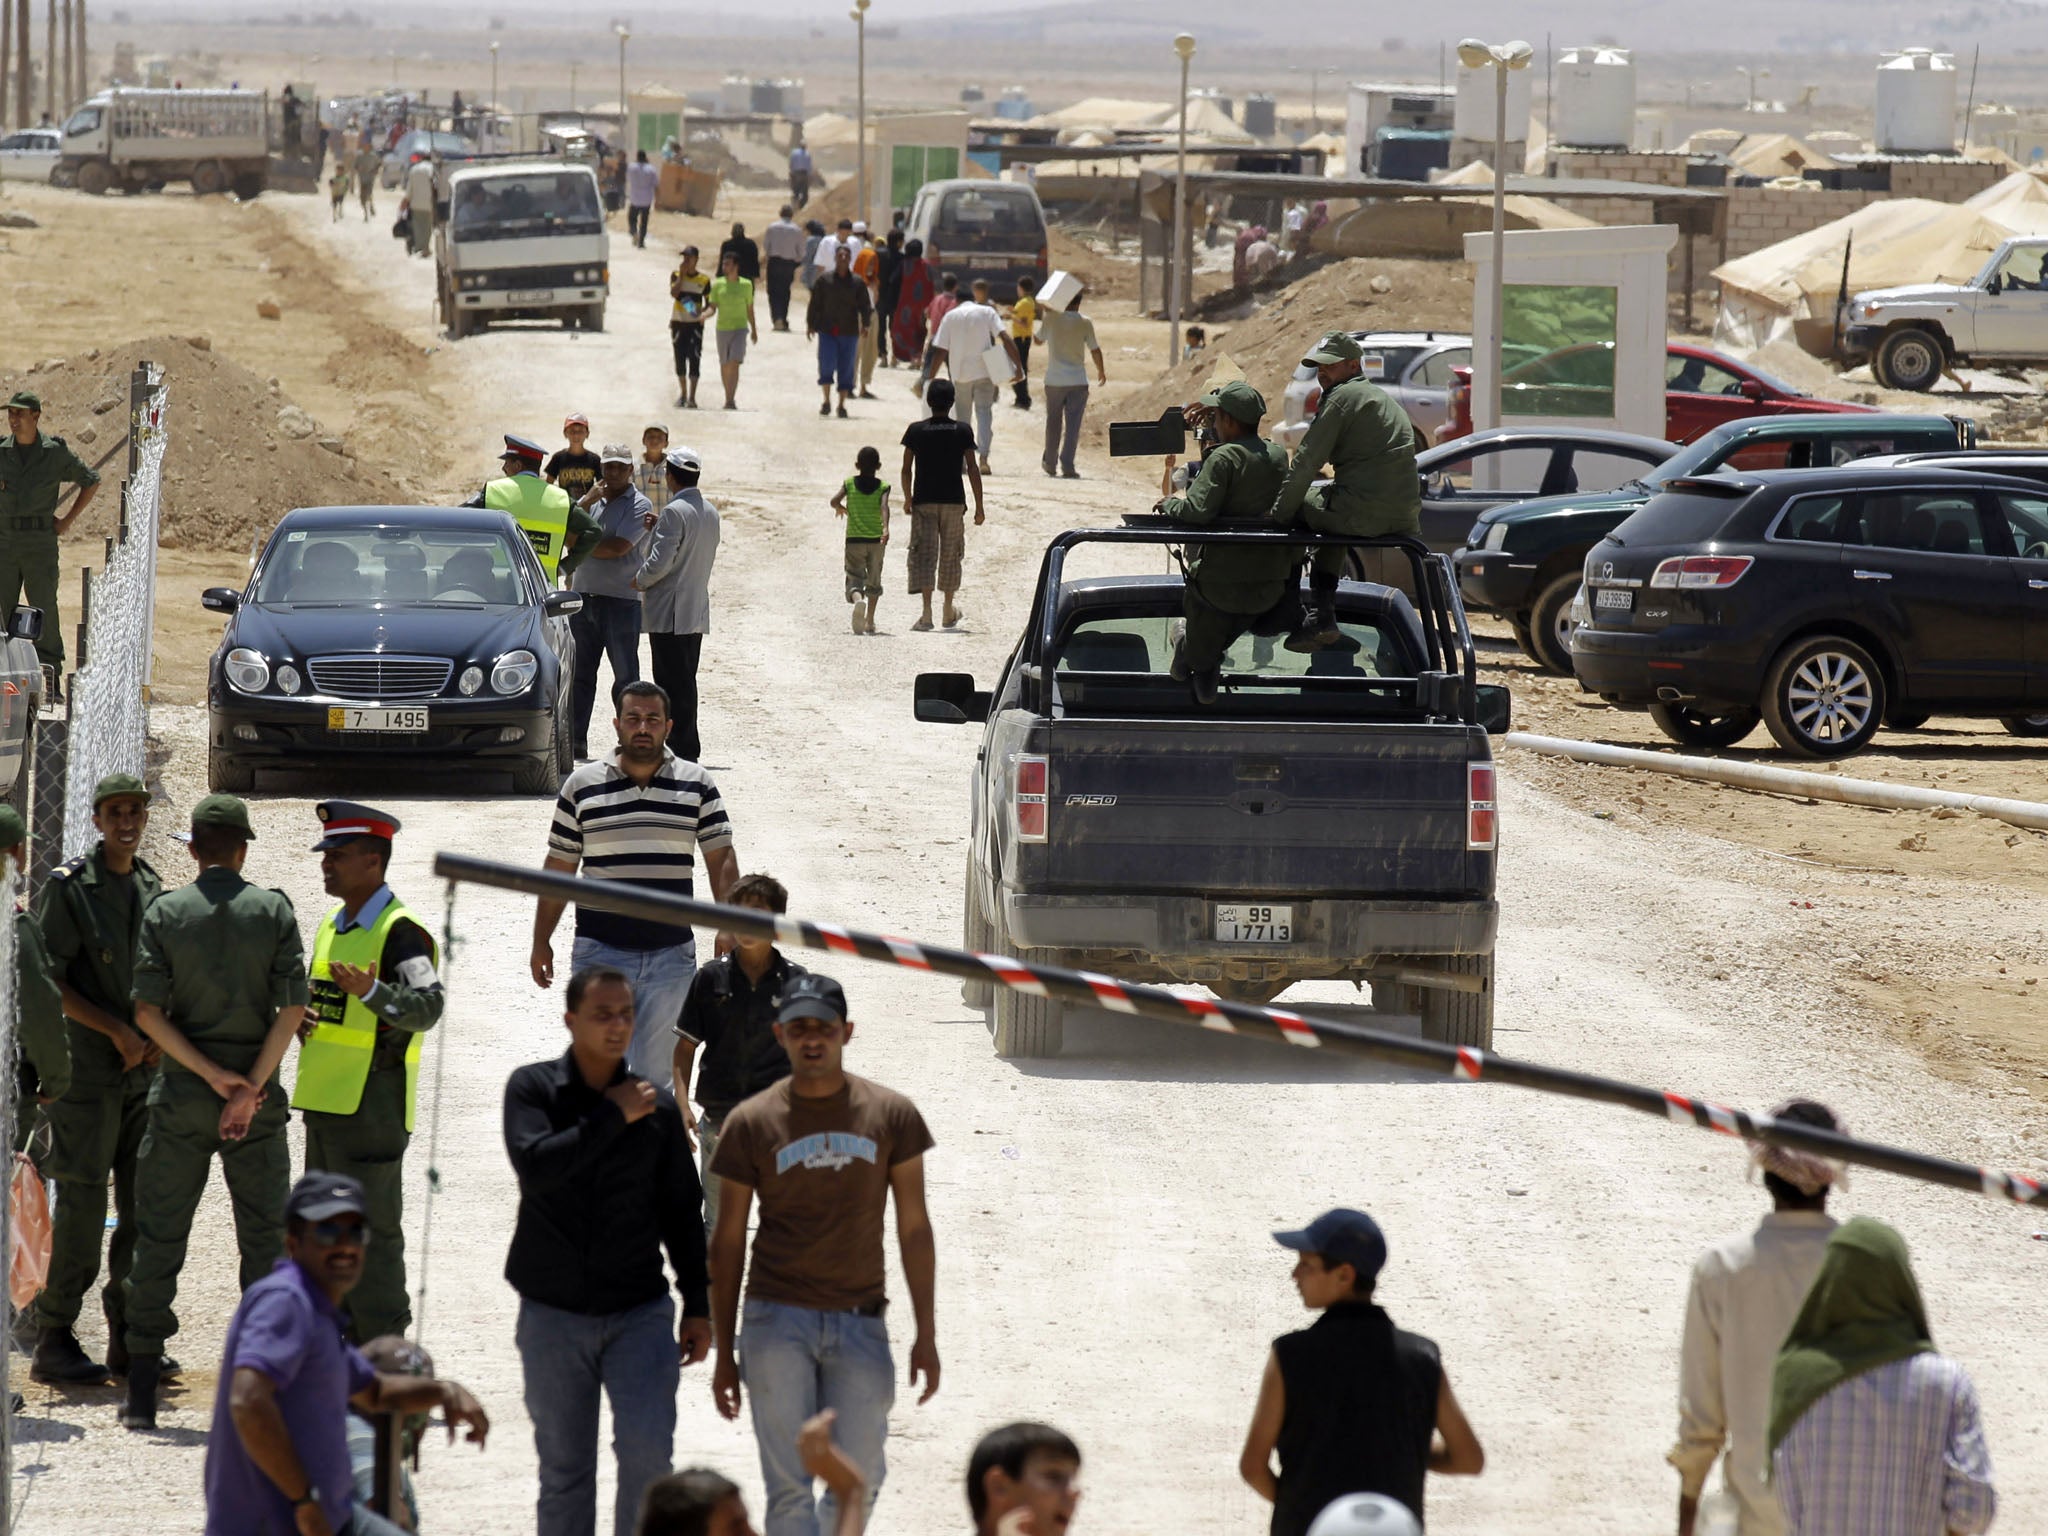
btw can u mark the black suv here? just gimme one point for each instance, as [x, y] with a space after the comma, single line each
[1825, 603]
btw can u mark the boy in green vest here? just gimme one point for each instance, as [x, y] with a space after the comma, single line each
[863, 500]
[375, 993]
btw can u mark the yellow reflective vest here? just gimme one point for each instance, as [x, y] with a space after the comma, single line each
[334, 1061]
[541, 509]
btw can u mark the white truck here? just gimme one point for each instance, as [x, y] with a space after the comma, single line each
[135, 138]
[520, 239]
[1910, 335]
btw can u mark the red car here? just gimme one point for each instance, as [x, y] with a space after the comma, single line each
[1702, 389]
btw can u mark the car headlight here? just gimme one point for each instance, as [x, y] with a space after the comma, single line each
[248, 671]
[288, 679]
[514, 672]
[471, 680]
[1869, 311]
[1497, 536]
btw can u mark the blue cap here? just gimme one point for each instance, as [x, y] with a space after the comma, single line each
[1342, 1237]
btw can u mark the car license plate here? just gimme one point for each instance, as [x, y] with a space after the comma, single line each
[530, 295]
[342, 718]
[1614, 597]
[1254, 925]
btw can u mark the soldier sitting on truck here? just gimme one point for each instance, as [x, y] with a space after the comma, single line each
[1229, 586]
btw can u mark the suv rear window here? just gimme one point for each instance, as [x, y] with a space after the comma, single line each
[1677, 517]
[998, 211]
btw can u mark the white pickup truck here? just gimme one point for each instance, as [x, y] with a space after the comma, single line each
[1911, 334]
[520, 239]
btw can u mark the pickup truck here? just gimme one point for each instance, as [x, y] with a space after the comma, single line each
[1328, 817]
[1910, 335]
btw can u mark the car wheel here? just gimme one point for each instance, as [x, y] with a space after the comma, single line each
[1909, 358]
[1550, 635]
[94, 178]
[976, 937]
[537, 775]
[226, 774]
[1905, 719]
[1823, 697]
[2026, 725]
[208, 177]
[1025, 1026]
[1691, 726]
[1456, 1018]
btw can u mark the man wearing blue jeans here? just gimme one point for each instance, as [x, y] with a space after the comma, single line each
[606, 1183]
[823, 1150]
[640, 816]
[607, 626]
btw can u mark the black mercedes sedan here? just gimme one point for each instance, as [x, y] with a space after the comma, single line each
[367, 634]
[1825, 603]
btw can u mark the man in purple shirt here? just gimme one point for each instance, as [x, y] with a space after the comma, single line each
[277, 1459]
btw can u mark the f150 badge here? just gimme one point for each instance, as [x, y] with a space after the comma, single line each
[1092, 802]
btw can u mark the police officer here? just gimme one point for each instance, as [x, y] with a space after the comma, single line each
[1229, 585]
[562, 532]
[43, 1071]
[91, 910]
[220, 986]
[33, 469]
[375, 993]
[1366, 440]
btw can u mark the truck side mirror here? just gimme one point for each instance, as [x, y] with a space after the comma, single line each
[949, 698]
[1492, 707]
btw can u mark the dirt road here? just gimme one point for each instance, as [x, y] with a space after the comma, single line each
[1102, 1219]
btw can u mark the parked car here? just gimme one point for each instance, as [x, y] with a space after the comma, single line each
[1484, 470]
[421, 144]
[30, 154]
[1412, 366]
[373, 634]
[1523, 561]
[1911, 334]
[991, 229]
[1823, 603]
[1702, 389]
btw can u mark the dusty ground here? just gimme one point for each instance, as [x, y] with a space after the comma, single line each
[1102, 1218]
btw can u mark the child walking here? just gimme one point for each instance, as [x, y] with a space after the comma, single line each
[863, 500]
[337, 190]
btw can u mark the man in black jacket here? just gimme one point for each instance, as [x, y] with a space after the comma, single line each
[605, 1184]
[838, 313]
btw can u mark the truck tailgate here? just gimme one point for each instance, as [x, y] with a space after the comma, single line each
[1201, 808]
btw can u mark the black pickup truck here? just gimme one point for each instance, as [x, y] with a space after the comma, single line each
[1328, 817]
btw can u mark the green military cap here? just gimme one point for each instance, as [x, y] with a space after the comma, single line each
[13, 830]
[25, 400]
[115, 785]
[1238, 399]
[1335, 347]
[223, 811]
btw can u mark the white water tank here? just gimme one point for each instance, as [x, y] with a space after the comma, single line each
[1596, 98]
[1472, 112]
[1916, 103]
[735, 95]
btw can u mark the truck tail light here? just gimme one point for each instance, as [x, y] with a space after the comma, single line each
[1043, 258]
[1701, 571]
[1028, 797]
[1480, 826]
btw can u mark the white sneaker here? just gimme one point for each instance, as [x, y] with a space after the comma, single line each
[858, 627]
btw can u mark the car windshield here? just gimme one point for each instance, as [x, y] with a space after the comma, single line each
[518, 207]
[352, 567]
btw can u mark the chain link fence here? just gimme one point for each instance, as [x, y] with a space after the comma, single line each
[10, 1110]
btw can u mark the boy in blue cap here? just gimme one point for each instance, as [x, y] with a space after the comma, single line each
[1352, 1404]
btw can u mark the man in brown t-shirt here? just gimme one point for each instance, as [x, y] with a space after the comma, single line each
[823, 1150]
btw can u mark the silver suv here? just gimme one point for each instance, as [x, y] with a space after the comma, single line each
[1412, 366]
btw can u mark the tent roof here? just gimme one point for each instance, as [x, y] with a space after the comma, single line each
[1777, 154]
[1102, 112]
[829, 130]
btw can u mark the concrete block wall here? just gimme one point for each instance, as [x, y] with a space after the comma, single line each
[1761, 216]
[1945, 181]
[1661, 170]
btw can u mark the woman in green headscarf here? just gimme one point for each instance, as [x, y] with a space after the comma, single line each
[1873, 1432]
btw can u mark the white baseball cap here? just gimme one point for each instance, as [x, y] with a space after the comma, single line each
[1365, 1514]
[860, 226]
[684, 458]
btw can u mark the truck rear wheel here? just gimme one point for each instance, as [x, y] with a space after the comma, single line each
[1025, 1026]
[976, 937]
[209, 177]
[1909, 358]
[1458, 1018]
[94, 178]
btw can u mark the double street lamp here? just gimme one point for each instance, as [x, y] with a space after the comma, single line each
[494, 76]
[1501, 58]
[625, 115]
[1184, 45]
[859, 13]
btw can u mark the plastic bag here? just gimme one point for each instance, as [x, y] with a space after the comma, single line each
[28, 1199]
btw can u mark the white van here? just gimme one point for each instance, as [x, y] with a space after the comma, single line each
[991, 229]
[521, 239]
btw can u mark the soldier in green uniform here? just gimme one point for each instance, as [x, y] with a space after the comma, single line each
[375, 993]
[33, 470]
[220, 986]
[1228, 585]
[1365, 438]
[91, 910]
[43, 1070]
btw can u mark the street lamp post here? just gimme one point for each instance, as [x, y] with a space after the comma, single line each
[572, 85]
[1502, 57]
[625, 115]
[859, 13]
[494, 83]
[1184, 45]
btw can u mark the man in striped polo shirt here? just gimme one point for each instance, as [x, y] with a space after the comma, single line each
[640, 816]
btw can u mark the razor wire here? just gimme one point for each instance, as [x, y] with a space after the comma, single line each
[1086, 989]
[107, 718]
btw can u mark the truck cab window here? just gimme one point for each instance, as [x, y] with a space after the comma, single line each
[84, 120]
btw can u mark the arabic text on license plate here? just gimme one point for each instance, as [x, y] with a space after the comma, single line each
[530, 295]
[1613, 597]
[340, 717]
[1254, 925]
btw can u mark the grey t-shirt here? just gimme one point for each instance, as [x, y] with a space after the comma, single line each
[618, 517]
[1068, 336]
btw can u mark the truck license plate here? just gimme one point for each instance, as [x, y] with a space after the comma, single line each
[342, 718]
[1254, 925]
[530, 295]
[1613, 597]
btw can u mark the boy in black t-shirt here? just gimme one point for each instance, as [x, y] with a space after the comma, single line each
[938, 455]
[575, 468]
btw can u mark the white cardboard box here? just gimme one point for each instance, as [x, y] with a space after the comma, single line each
[1058, 292]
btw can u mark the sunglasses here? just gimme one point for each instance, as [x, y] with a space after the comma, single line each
[329, 1233]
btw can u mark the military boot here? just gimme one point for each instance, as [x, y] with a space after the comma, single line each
[1318, 627]
[60, 1359]
[117, 1348]
[140, 1410]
